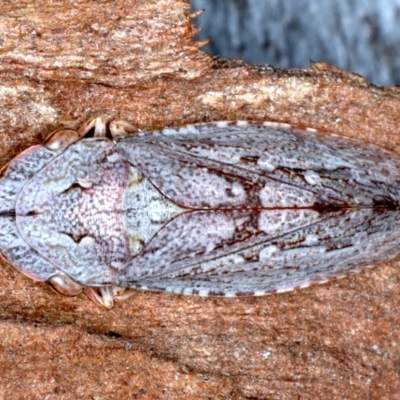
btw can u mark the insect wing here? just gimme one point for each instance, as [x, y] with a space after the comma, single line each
[267, 208]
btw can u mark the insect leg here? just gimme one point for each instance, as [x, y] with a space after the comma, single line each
[102, 296]
[122, 294]
[97, 123]
[121, 128]
[105, 296]
[60, 139]
[63, 284]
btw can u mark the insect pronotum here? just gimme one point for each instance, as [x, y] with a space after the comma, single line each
[225, 208]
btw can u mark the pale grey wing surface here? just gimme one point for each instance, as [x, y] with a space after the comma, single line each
[335, 169]
[332, 247]
[267, 209]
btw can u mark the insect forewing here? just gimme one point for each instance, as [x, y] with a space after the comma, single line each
[265, 208]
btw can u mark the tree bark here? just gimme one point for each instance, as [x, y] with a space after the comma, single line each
[64, 62]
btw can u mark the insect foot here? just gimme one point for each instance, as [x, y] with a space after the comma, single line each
[225, 209]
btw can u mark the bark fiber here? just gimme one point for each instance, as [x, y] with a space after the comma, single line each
[63, 62]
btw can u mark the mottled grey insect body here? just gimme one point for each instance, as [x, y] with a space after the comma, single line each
[229, 208]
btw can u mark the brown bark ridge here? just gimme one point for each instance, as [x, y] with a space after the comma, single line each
[62, 62]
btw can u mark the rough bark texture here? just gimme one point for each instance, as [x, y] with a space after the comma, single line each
[64, 62]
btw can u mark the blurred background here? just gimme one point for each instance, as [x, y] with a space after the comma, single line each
[361, 36]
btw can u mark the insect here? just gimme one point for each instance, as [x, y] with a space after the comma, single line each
[226, 208]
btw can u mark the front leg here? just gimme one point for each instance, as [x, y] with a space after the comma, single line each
[60, 139]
